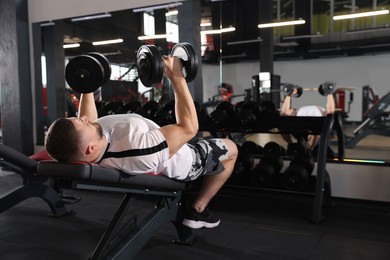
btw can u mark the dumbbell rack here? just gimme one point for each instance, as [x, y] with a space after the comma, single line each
[301, 125]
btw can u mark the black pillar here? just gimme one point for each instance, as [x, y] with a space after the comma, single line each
[15, 79]
[53, 41]
[189, 31]
[40, 117]
[266, 34]
[303, 10]
[160, 28]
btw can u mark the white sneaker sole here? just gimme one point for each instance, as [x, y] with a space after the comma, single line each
[199, 224]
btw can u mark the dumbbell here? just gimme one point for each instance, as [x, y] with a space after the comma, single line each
[248, 115]
[149, 109]
[296, 176]
[295, 148]
[222, 115]
[268, 109]
[166, 115]
[245, 159]
[274, 148]
[151, 66]
[265, 173]
[86, 73]
[326, 88]
[131, 107]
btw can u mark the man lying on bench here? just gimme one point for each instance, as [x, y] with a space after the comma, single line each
[136, 145]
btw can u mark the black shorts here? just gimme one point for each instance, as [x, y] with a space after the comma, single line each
[207, 157]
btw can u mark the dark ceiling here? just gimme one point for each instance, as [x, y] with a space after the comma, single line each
[337, 38]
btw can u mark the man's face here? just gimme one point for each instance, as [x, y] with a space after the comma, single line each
[87, 130]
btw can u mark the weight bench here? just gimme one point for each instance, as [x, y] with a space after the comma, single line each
[32, 185]
[94, 177]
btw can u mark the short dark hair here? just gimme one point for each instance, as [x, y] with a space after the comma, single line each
[62, 141]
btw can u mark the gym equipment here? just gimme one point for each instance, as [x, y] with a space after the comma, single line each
[248, 114]
[131, 107]
[33, 184]
[222, 115]
[268, 109]
[274, 148]
[296, 148]
[149, 109]
[297, 175]
[166, 115]
[245, 159]
[265, 173]
[330, 154]
[112, 108]
[151, 66]
[375, 122]
[86, 73]
[168, 207]
[326, 88]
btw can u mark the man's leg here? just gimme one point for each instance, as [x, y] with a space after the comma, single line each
[213, 183]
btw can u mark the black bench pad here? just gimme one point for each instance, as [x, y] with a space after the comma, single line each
[109, 176]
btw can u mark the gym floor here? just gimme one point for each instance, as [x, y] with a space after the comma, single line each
[254, 225]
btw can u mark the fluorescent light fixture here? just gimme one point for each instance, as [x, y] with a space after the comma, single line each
[243, 42]
[357, 15]
[218, 31]
[377, 29]
[156, 7]
[50, 23]
[171, 13]
[91, 17]
[302, 36]
[107, 42]
[278, 24]
[151, 37]
[205, 24]
[72, 45]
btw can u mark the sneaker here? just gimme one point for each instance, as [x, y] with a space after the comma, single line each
[205, 219]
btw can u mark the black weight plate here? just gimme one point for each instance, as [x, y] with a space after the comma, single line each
[84, 74]
[105, 64]
[150, 65]
[187, 55]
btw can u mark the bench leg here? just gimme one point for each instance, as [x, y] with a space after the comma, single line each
[42, 191]
[165, 211]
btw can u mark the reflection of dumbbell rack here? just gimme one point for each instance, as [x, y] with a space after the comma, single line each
[302, 126]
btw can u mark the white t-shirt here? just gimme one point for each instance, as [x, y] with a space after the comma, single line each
[135, 145]
[311, 111]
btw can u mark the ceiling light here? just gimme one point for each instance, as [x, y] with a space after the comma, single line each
[218, 31]
[205, 24]
[317, 35]
[72, 45]
[107, 42]
[357, 15]
[91, 17]
[278, 24]
[171, 13]
[243, 42]
[50, 23]
[151, 37]
[151, 8]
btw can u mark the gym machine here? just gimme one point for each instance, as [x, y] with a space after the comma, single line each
[376, 122]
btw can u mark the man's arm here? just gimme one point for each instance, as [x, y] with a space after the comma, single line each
[186, 125]
[87, 107]
[330, 104]
[286, 107]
